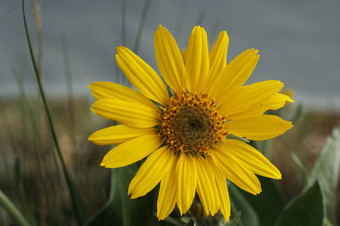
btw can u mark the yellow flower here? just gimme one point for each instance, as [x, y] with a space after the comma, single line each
[183, 135]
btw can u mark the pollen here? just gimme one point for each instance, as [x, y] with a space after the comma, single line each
[192, 123]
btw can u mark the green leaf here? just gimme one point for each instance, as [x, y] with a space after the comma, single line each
[239, 203]
[235, 220]
[326, 170]
[306, 209]
[268, 204]
[111, 212]
[128, 205]
[120, 209]
[301, 166]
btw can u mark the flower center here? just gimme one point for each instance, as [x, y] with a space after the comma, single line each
[191, 123]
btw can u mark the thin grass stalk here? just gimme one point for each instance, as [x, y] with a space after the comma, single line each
[38, 26]
[19, 174]
[27, 109]
[19, 165]
[200, 18]
[12, 210]
[48, 186]
[37, 20]
[123, 22]
[70, 94]
[122, 79]
[119, 76]
[141, 26]
[214, 30]
[42, 122]
[180, 18]
[77, 204]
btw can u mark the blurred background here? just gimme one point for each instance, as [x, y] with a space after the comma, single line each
[74, 44]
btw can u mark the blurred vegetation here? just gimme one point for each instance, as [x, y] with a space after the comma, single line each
[31, 176]
[50, 173]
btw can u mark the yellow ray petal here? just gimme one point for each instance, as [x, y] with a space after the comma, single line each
[234, 75]
[131, 114]
[258, 128]
[167, 195]
[151, 172]
[277, 101]
[218, 56]
[197, 60]
[169, 59]
[110, 90]
[141, 75]
[222, 191]
[273, 103]
[234, 171]
[131, 151]
[252, 159]
[206, 187]
[118, 134]
[249, 95]
[186, 182]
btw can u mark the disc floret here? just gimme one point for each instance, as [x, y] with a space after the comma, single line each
[192, 123]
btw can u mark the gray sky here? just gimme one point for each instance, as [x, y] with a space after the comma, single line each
[298, 40]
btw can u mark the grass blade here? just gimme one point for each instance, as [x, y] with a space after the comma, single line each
[15, 213]
[77, 204]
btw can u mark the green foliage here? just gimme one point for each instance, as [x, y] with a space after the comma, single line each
[307, 209]
[120, 209]
[239, 203]
[11, 209]
[268, 204]
[315, 206]
[326, 170]
[235, 220]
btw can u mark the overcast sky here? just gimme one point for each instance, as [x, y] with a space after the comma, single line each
[298, 40]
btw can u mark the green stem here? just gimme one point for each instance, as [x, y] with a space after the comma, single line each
[77, 205]
[15, 213]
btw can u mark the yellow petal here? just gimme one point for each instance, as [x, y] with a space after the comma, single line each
[118, 134]
[234, 171]
[234, 75]
[197, 60]
[222, 191]
[277, 101]
[131, 151]
[248, 96]
[273, 103]
[252, 159]
[131, 114]
[206, 187]
[258, 128]
[151, 172]
[167, 195]
[187, 181]
[169, 59]
[142, 76]
[218, 56]
[110, 90]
